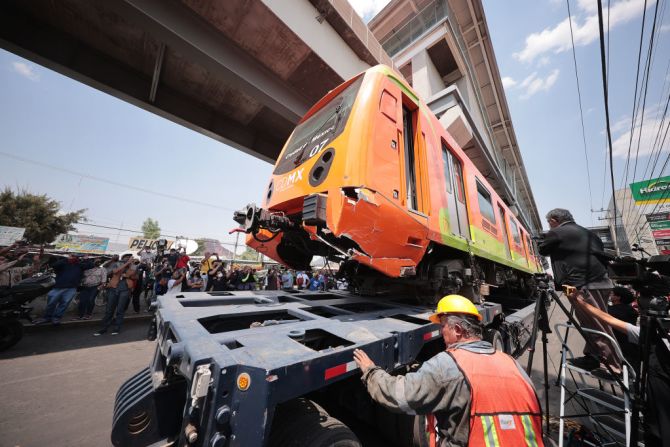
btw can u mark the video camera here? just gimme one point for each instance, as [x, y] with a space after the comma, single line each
[650, 277]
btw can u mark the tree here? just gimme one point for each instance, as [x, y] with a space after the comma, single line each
[249, 255]
[38, 214]
[151, 229]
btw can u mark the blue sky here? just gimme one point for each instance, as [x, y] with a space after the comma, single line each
[51, 119]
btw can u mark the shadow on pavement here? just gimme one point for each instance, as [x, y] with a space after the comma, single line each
[48, 339]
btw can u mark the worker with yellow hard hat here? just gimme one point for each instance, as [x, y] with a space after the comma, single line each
[469, 394]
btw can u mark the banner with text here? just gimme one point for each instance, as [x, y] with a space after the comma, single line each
[77, 243]
[9, 235]
[138, 243]
[651, 191]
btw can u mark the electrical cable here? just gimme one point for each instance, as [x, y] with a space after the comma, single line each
[637, 78]
[112, 182]
[607, 113]
[579, 97]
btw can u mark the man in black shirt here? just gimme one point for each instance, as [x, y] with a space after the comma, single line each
[578, 260]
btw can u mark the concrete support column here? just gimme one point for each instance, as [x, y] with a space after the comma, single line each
[426, 80]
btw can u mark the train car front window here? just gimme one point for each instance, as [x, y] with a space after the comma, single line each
[313, 135]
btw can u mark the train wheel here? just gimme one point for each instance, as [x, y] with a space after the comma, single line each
[303, 423]
[494, 337]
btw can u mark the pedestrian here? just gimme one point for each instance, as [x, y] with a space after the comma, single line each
[620, 306]
[146, 256]
[314, 283]
[272, 280]
[68, 276]
[94, 279]
[218, 283]
[118, 291]
[138, 286]
[173, 257]
[287, 280]
[182, 262]
[578, 260]
[247, 279]
[12, 274]
[174, 284]
[472, 394]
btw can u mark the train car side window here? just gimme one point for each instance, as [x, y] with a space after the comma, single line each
[515, 232]
[458, 177]
[485, 204]
[445, 166]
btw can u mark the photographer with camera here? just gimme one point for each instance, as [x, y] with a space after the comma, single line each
[657, 411]
[578, 260]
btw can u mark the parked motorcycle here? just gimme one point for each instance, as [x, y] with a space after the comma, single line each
[14, 307]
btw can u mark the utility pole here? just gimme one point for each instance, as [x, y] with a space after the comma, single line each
[237, 240]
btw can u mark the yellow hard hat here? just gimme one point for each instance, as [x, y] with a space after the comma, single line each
[454, 304]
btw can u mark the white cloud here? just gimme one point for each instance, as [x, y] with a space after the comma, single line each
[25, 70]
[649, 131]
[544, 60]
[367, 9]
[590, 6]
[508, 82]
[664, 28]
[557, 39]
[533, 84]
[622, 124]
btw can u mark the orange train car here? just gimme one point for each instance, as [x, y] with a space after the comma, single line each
[370, 179]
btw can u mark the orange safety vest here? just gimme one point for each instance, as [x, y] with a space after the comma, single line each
[504, 409]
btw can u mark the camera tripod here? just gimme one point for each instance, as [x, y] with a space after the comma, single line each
[544, 296]
[654, 327]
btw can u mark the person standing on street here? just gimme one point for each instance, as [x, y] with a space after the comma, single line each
[472, 394]
[578, 260]
[68, 276]
[93, 280]
[118, 294]
[287, 280]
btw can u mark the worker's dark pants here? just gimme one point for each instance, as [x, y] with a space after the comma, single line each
[602, 349]
[87, 300]
[658, 396]
[117, 300]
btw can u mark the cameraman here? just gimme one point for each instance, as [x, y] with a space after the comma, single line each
[577, 258]
[657, 411]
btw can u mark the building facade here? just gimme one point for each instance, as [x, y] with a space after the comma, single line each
[442, 47]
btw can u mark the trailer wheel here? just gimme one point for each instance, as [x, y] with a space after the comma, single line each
[303, 423]
[11, 331]
[494, 337]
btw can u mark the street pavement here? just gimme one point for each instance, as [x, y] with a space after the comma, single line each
[58, 384]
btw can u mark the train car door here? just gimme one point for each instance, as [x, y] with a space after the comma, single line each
[453, 174]
[505, 236]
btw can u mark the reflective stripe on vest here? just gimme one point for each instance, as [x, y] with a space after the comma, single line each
[504, 409]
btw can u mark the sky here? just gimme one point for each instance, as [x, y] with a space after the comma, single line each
[89, 150]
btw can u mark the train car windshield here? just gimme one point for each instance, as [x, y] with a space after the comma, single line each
[312, 135]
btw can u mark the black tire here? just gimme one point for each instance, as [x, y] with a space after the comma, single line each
[11, 331]
[303, 423]
[494, 337]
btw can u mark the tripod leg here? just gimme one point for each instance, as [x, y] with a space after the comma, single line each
[533, 337]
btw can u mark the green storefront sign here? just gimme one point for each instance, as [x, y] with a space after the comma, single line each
[662, 225]
[651, 191]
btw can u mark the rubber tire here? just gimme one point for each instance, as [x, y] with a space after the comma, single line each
[303, 423]
[494, 337]
[11, 331]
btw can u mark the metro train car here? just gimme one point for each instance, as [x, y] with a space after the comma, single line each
[371, 180]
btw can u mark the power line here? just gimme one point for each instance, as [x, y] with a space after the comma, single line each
[113, 182]
[581, 113]
[607, 112]
[637, 78]
[128, 230]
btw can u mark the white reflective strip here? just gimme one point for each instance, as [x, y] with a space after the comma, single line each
[400, 396]
[435, 334]
[351, 366]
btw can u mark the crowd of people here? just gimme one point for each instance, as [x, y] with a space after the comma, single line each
[137, 278]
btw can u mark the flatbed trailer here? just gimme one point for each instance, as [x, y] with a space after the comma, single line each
[228, 364]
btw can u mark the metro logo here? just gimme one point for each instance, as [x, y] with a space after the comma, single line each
[289, 180]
